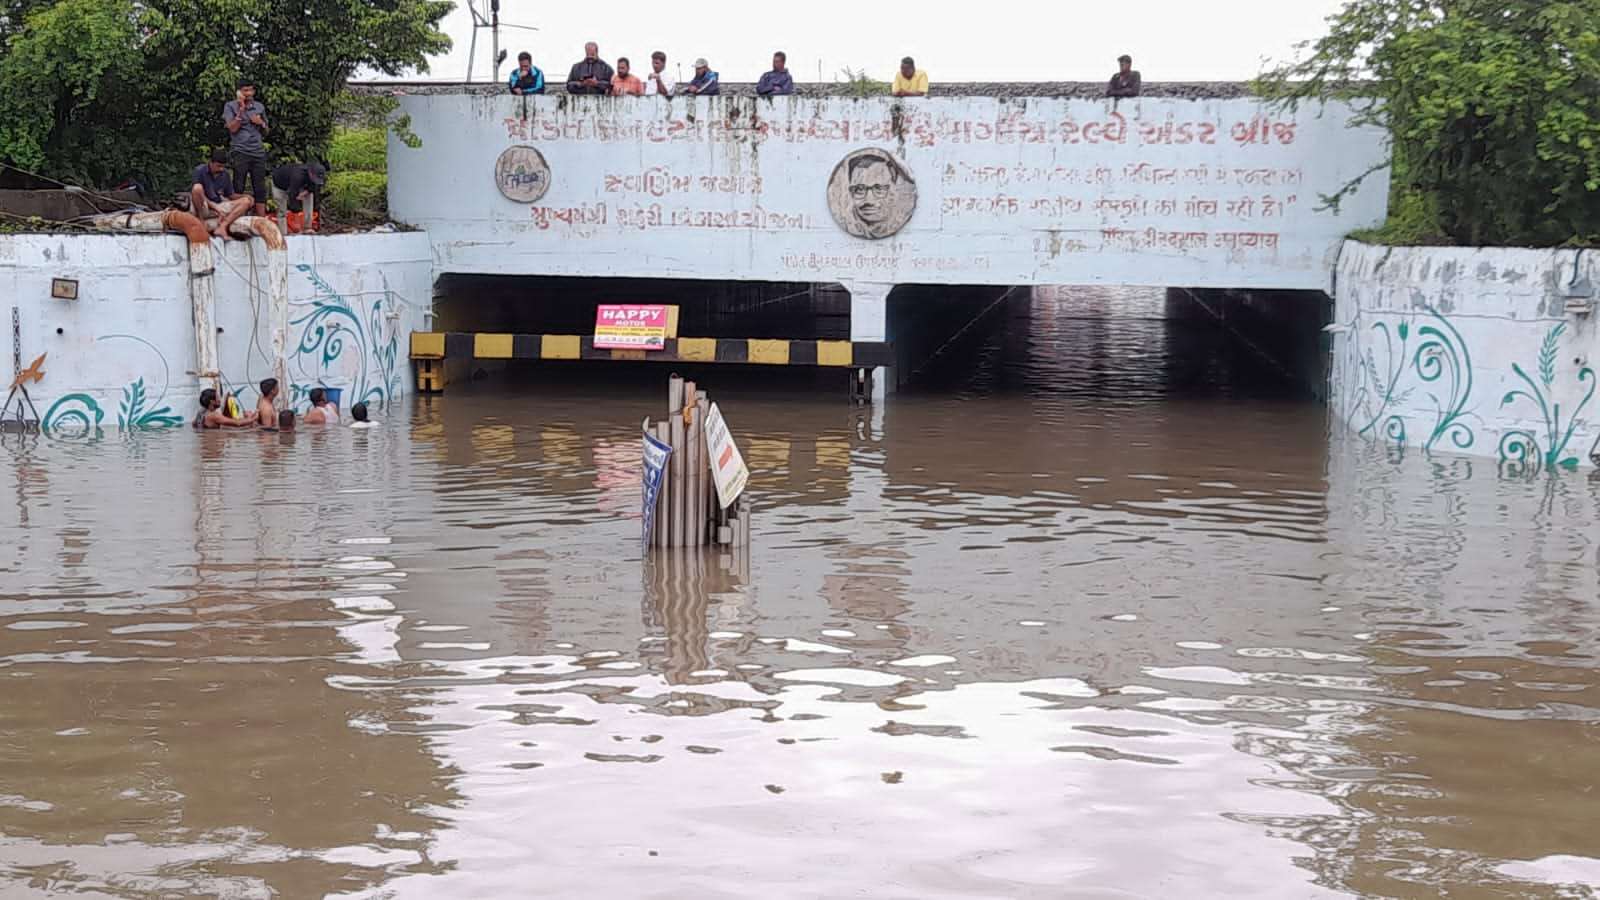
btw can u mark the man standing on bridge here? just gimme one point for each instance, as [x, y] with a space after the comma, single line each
[659, 81]
[624, 82]
[591, 75]
[1126, 82]
[777, 82]
[705, 80]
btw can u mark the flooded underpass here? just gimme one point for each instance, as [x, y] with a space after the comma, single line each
[1098, 606]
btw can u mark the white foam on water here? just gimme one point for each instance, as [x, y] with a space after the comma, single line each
[857, 677]
[922, 662]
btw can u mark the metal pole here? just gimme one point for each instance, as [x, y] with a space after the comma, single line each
[472, 45]
[494, 36]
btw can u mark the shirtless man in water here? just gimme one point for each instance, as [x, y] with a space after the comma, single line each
[266, 407]
[212, 416]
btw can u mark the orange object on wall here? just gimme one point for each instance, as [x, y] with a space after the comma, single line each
[297, 222]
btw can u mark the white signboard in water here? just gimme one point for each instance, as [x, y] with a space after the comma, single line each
[727, 465]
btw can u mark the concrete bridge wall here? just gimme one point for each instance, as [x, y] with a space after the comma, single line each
[1487, 351]
[991, 190]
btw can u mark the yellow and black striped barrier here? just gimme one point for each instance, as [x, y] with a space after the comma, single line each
[428, 348]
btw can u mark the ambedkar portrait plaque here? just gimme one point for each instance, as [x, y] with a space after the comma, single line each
[871, 194]
[522, 174]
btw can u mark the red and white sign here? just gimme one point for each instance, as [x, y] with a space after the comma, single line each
[621, 327]
[727, 465]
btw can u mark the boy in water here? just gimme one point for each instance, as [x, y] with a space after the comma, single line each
[359, 413]
[212, 416]
[266, 407]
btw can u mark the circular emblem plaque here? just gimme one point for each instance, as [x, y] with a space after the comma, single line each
[871, 194]
[522, 174]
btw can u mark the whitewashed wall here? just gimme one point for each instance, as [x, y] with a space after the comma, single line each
[1150, 191]
[1475, 351]
[118, 355]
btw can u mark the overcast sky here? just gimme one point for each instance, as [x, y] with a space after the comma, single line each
[1034, 40]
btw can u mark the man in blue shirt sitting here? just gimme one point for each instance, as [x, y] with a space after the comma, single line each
[212, 194]
[526, 78]
[777, 82]
[705, 80]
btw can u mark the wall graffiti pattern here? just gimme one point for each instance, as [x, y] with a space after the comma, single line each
[1521, 446]
[1395, 359]
[374, 368]
[337, 341]
[80, 414]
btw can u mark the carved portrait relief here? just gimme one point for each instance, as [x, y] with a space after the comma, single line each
[871, 194]
[522, 174]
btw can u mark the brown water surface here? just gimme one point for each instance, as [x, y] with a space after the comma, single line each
[1093, 618]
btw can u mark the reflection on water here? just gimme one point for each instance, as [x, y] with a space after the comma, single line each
[1058, 628]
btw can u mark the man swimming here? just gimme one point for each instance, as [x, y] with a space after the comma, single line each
[212, 416]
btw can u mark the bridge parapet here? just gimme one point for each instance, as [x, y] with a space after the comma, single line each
[1158, 191]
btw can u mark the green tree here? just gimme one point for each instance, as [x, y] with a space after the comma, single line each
[96, 91]
[1491, 106]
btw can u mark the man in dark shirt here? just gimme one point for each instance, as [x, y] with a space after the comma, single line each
[295, 183]
[1126, 82]
[526, 78]
[705, 81]
[590, 76]
[212, 194]
[246, 121]
[778, 81]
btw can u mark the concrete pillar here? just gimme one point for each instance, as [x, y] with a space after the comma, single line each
[869, 321]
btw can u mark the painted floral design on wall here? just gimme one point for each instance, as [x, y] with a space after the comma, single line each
[338, 342]
[371, 332]
[80, 415]
[1522, 447]
[1439, 364]
[1394, 360]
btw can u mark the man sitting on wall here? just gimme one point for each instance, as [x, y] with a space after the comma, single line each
[910, 81]
[705, 80]
[526, 78]
[212, 194]
[591, 75]
[295, 183]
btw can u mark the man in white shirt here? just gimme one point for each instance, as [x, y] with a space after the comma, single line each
[658, 81]
[359, 413]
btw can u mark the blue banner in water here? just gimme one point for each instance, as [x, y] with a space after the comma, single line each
[655, 465]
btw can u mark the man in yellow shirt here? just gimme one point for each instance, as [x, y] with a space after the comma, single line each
[910, 81]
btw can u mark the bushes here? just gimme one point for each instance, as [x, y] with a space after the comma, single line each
[1490, 107]
[358, 181]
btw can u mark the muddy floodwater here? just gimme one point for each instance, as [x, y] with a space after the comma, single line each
[1094, 613]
